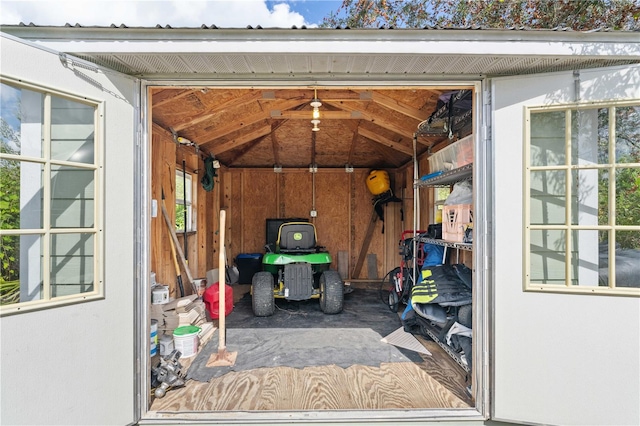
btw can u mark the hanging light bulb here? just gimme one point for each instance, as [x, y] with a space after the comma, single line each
[315, 104]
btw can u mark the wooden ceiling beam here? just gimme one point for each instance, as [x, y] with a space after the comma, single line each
[165, 96]
[354, 139]
[246, 148]
[275, 144]
[378, 120]
[400, 107]
[324, 115]
[213, 133]
[308, 94]
[219, 148]
[375, 137]
[231, 103]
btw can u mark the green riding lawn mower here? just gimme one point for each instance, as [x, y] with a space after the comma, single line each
[296, 270]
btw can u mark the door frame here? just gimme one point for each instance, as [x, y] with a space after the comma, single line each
[480, 378]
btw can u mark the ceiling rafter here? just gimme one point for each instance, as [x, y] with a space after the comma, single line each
[212, 133]
[218, 149]
[379, 120]
[206, 115]
[375, 137]
[400, 107]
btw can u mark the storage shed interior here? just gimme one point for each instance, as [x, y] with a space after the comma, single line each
[273, 165]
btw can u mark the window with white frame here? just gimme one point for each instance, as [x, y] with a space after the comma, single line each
[184, 202]
[440, 195]
[50, 220]
[582, 198]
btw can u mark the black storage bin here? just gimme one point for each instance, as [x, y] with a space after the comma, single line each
[248, 264]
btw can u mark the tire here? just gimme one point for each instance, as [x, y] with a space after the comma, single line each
[393, 301]
[262, 299]
[331, 292]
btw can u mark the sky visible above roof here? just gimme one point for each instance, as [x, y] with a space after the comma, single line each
[176, 13]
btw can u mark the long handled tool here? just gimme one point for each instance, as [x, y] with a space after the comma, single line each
[175, 248]
[222, 358]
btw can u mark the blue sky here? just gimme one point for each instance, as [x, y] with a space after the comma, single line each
[177, 13]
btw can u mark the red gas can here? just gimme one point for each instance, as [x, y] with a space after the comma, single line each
[211, 298]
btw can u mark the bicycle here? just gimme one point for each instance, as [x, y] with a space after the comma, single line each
[396, 285]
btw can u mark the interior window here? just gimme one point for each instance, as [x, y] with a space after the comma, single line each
[583, 208]
[49, 180]
[184, 202]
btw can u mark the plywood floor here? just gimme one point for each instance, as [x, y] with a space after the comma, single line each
[437, 382]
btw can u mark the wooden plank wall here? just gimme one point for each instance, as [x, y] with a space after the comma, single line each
[250, 196]
[342, 201]
[166, 157]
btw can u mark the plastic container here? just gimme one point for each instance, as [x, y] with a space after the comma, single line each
[456, 218]
[154, 338]
[160, 295]
[248, 264]
[165, 344]
[456, 155]
[211, 298]
[378, 182]
[185, 340]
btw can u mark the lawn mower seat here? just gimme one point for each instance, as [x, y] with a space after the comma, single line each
[296, 237]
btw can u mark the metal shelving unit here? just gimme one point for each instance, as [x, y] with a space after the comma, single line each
[461, 246]
[443, 180]
[447, 178]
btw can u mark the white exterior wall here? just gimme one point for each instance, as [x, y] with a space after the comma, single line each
[558, 358]
[75, 364]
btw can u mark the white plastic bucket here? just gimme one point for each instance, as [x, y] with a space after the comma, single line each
[185, 340]
[154, 338]
[160, 295]
[166, 345]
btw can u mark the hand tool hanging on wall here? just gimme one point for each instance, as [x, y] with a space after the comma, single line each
[175, 247]
[222, 358]
[184, 203]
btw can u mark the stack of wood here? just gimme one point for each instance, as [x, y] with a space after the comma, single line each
[187, 310]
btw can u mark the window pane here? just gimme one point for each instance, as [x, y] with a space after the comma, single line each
[587, 145]
[628, 134]
[628, 196]
[585, 259]
[179, 187]
[71, 264]
[72, 131]
[187, 188]
[586, 195]
[21, 268]
[627, 259]
[547, 257]
[20, 195]
[548, 196]
[22, 119]
[72, 197]
[548, 138]
[180, 221]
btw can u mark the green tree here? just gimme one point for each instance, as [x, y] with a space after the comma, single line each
[578, 15]
[9, 214]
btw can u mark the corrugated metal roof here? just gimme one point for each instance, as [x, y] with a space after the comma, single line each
[210, 51]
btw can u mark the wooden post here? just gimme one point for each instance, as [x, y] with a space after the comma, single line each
[365, 244]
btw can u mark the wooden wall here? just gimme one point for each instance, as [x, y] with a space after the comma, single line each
[342, 201]
[166, 157]
[250, 196]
